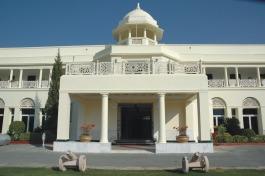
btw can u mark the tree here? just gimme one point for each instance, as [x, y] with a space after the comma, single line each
[51, 107]
[232, 126]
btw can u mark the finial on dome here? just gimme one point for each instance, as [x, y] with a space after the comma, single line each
[138, 6]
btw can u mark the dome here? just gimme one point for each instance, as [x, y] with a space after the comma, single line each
[138, 16]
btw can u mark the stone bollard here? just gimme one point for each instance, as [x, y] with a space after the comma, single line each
[197, 161]
[71, 160]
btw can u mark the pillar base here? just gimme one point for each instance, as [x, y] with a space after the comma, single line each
[184, 148]
[82, 147]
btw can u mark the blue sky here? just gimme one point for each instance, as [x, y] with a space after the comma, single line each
[81, 22]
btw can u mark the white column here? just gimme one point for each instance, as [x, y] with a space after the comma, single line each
[226, 78]
[50, 77]
[104, 118]
[204, 119]
[240, 116]
[261, 120]
[162, 118]
[258, 77]
[40, 78]
[237, 78]
[228, 112]
[17, 114]
[144, 32]
[6, 120]
[63, 125]
[204, 70]
[155, 39]
[20, 78]
[129, 34]
[191, 117]
[11, 77]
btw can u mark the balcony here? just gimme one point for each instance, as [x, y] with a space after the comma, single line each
[145, 67]
[244, 83]
[24, 84]
[138, 41]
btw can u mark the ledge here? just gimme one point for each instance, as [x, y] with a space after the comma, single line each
[184, 148]
[82, 147]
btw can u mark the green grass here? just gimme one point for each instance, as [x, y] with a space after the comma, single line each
[9, 171]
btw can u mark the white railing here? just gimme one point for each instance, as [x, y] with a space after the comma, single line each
[144, 67]
[4, 84]
[45, 84]
[30, 84]
[248, 83]
[217, 83]
[14, 84]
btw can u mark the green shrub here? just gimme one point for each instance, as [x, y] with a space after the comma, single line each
[15, 129]
[24, 137]
[232, 126]
[256, 139]
[261, 137]
[248, 133]
[221, 130]
[240, 139]
[228, 138]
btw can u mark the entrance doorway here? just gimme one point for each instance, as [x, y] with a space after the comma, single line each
[250, 118]
[136, 123]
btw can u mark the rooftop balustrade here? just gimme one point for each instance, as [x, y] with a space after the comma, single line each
[144, 67]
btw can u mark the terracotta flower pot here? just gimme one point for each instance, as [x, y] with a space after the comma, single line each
[85, 138]
[182, 139]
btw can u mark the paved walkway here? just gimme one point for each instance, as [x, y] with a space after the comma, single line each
[224, 157]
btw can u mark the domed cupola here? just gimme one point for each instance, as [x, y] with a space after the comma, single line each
[138, 28]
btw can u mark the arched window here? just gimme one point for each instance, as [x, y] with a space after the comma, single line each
[28, 113]
[27, 103]
[2, 106]
[250, 114]
[219, 107]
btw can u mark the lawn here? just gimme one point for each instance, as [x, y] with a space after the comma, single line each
[9, 171]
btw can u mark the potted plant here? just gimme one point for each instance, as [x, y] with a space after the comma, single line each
[86, 128]
[182, 137]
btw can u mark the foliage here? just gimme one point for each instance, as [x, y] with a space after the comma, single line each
[223, 138]
[86, 128]
[232, 126]
[248, 133]
[257, 139]
[38, 130]
[51, 107]
[240, 139]
[182, 130]
[24, 137]
[15, 129]
[221, 130]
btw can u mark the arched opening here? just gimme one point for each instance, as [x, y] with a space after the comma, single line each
[27, 106]
[2, 107]
[219, 107]
[250, 114]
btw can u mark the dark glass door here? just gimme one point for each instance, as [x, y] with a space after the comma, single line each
[1, 119]
[136, 121]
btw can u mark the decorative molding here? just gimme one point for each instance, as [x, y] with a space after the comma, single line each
[27, 103]
[218, 102]
[250, 102]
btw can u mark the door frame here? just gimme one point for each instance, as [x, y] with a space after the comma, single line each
[119, 118]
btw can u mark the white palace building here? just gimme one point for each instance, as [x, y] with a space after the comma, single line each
[136, 90]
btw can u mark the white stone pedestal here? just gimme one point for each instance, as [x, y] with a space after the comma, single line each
[184, 148]
[82, 147]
